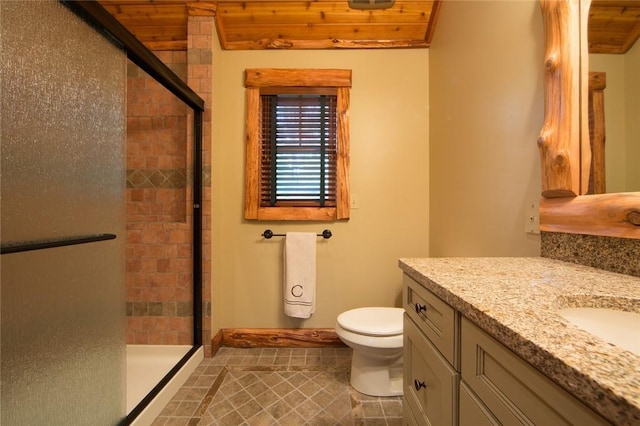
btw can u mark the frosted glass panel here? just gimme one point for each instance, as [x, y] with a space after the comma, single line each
[63, 88]
[62, 175]
[63, 363]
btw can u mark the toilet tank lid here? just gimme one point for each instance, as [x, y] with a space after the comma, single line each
[374, 321]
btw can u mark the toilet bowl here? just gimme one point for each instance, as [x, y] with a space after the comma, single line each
[375, 335]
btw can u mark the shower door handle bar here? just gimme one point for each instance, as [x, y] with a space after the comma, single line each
[58, 242]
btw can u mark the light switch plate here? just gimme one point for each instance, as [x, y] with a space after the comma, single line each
[532, 217]
[355, 202]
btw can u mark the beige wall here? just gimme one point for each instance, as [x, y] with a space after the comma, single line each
[622, 109]
[486, 110]
[444, 162]
[389, 176]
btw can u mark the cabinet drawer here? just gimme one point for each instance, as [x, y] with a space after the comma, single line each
[430, 384]
[514, 391]
[435, 318]
[408, 419]
[472, 410]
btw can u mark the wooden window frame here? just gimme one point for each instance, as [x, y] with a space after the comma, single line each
[273, 79]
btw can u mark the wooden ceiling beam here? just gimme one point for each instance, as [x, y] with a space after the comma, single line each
[272, 44]
[327, 31]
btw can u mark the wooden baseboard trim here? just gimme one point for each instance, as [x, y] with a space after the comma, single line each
[276, 338]
[216, 343]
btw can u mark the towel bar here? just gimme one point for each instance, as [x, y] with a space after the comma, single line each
[268, 233]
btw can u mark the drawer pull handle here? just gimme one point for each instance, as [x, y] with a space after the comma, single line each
[420, 308]
[419, 385]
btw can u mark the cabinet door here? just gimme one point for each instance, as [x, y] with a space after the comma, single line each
[430, 384]
[513, 390]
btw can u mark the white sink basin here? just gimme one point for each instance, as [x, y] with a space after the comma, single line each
[619, 328]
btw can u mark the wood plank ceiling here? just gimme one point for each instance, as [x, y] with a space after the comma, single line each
[614, 25]
[324, 24]
[283, 24]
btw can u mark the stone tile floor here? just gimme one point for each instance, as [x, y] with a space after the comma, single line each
[277, 386]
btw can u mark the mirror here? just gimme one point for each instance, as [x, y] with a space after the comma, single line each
[613, 29]
[564, 138]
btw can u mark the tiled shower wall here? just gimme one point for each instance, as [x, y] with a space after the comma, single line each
[159, 197]
[159, 229]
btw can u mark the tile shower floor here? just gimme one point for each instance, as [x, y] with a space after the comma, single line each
[283, 386]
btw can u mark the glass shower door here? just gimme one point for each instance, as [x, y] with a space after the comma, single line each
[62, 182]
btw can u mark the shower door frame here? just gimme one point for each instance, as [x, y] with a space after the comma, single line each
[104, 22]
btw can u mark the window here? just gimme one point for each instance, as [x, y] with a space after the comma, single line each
[297, 144]
[298, 161]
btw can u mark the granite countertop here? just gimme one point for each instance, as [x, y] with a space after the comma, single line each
[516, 299]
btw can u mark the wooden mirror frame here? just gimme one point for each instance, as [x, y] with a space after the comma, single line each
[564, 139]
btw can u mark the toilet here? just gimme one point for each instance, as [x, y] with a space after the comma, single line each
[375, 335]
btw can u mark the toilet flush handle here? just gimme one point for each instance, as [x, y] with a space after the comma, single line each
[420, 308]
[419, 385]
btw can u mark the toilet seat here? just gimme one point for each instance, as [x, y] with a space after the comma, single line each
[372, 321]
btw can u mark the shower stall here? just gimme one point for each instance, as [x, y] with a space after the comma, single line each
[163, 222]
[161, 327]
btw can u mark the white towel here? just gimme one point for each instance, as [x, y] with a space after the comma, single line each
[300, 274]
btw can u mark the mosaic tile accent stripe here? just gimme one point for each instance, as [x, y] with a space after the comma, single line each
[160, 309]
[165, 178]
[156, 178]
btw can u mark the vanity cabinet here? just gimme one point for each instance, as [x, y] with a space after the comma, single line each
[430, 358]
[510, 389]
[457, 374]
